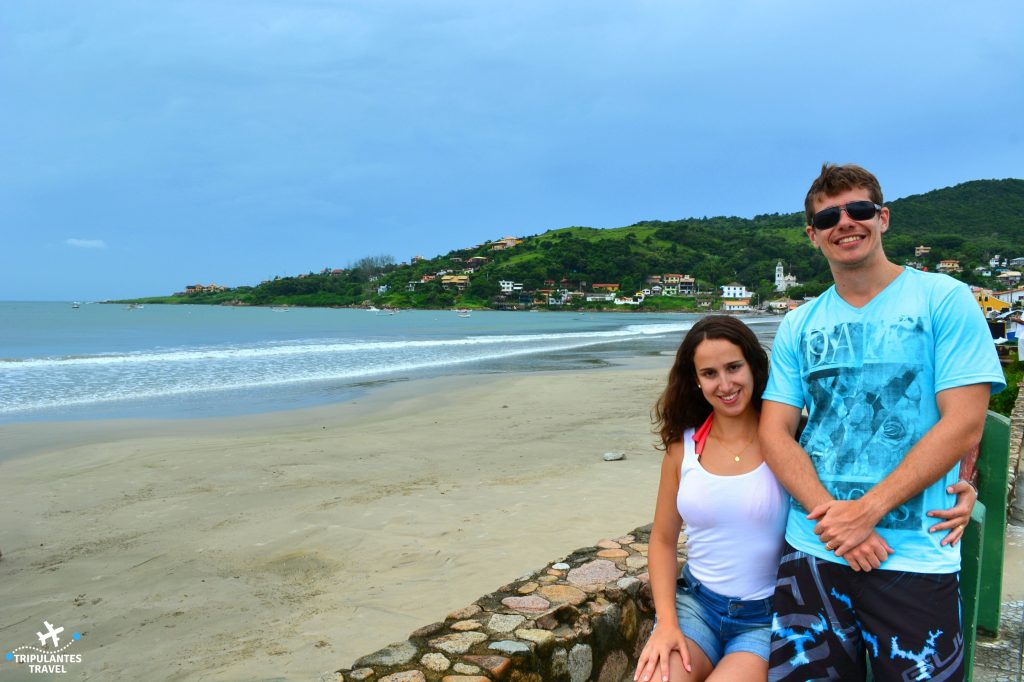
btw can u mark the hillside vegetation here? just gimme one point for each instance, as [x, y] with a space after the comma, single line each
[970, 222]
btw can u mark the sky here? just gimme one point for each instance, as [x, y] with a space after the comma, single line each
[146, 145]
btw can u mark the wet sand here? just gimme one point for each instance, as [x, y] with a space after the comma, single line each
[283, 546]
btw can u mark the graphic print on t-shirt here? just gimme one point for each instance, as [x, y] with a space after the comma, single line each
[865, 390]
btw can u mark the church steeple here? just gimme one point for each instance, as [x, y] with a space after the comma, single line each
[782, 280]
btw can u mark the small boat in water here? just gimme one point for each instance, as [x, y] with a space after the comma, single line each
[76, 304]
[463, 312]
[133, 306]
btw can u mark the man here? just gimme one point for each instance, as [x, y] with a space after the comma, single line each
[1018, 330]
[895, 368]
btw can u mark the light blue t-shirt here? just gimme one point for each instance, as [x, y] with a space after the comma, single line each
[868, 377]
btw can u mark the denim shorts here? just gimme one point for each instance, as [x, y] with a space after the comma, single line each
[722, 625]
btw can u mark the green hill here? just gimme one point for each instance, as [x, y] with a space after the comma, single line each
[969, 222]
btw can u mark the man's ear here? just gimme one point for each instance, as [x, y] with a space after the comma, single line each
[811, 234]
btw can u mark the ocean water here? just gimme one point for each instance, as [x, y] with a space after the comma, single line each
[111, 361]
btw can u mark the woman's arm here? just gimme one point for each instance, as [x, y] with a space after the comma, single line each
[663, 566]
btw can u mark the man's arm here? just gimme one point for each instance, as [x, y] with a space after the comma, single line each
[845, 524]
[786, 458]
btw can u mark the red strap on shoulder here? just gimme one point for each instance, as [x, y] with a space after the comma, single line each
[700, 436]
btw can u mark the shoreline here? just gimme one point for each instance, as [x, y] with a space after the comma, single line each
[468, 306]
[137, 381]
[288, 544]
[481, 309]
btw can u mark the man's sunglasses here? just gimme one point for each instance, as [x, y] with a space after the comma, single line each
[857, 210]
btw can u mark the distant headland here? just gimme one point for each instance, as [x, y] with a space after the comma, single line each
[970, 231]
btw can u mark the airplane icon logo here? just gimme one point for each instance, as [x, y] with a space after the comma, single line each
[50, 634]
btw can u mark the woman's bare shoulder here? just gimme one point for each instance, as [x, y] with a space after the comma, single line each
[674, 453]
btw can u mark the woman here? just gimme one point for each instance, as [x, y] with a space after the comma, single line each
[713, 475]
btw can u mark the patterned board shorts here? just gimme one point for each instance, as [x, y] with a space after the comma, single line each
[827, 616]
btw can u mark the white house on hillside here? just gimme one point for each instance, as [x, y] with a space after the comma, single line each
[735, 290]
[508, 286]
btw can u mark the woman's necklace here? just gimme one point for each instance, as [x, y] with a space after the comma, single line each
[735, 455]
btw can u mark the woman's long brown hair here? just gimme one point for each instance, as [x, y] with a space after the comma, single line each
[682, 404]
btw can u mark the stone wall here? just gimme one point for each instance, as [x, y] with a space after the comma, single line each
[1016, 508]
[585, 617]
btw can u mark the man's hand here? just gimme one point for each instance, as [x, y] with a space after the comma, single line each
[871, 553]
[844, 524]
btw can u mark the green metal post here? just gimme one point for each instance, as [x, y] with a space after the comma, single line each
[971, 550]
[993, 472]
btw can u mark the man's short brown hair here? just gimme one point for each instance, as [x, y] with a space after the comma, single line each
[835, 180]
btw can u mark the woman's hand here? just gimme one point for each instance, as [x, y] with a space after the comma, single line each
[957, 517]
[655, 656]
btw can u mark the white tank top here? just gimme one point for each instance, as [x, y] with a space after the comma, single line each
[735, 526]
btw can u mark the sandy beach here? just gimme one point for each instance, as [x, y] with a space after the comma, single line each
[286, 545]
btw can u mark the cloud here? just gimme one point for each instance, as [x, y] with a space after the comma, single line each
[87, 243]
